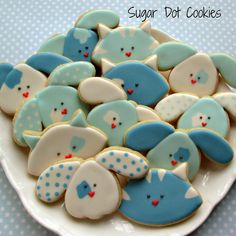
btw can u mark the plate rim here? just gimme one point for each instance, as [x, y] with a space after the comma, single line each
[53, 227]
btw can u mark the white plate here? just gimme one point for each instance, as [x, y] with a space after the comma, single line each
[212, 182]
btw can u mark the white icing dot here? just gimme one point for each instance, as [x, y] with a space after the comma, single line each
[36, 114]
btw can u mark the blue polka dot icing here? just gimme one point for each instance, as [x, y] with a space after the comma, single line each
[103, 160]
[52, 186]
[58, 174]
[123, 161]
[65, 186]
[111, 166]
[70, 168]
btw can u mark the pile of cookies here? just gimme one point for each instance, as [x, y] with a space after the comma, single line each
[118, 118]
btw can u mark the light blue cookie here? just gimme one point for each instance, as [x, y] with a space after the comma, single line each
[78, 44]
[51, 105]
[162, 198]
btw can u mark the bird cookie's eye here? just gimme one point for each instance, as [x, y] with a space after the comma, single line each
[122, 49]
[148, 196]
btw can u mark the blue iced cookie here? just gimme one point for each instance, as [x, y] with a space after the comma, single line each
[162, 198]
[77, 44]
[124, 43]
[46, 62]
[169, 148]
[52, 104]
[115, 115]
[141, 81]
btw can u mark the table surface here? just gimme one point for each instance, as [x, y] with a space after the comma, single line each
[25, 24]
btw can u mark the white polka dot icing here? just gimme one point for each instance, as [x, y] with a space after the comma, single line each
[54, 181]
[228, 101]
[124, 162]
[71, 73]
[171, 107]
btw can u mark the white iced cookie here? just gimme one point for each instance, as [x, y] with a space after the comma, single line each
[54, 181]
[93, 190]
[193, 112]
[18, 84]
[193, 72]
[101, 90]
[63, 141]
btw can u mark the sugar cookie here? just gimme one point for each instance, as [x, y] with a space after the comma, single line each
[91, 19]
[169, 148]
[116, 114]
[141, 81]
[78, 44]
[193, 72]
[46, 62]
[71, 73]
[18, 84]
[162, 198]
[63, 141]
[197, 112]
[124, 43]
[92, 190]
[52, 104]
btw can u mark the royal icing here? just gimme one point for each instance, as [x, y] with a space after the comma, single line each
[171, 107]
[228, 101]
[19, 83]
[62, 142]
[78, 44]
[46, 62]
[91, 19]
[52, 104]
[197, 75]
[93, 192]
[124, 43]
[138, 79]
[97, 90]
[193, 72]
[71, 73]
[162, 198]
[205, 113]
[54, 181]
[222, 152]
[146, 135]
[123, 162]
[115, 115]
[169, 148]
[173, 150]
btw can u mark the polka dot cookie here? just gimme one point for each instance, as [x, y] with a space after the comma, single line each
[54, 181]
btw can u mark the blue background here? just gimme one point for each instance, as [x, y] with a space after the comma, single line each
[24, 25]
